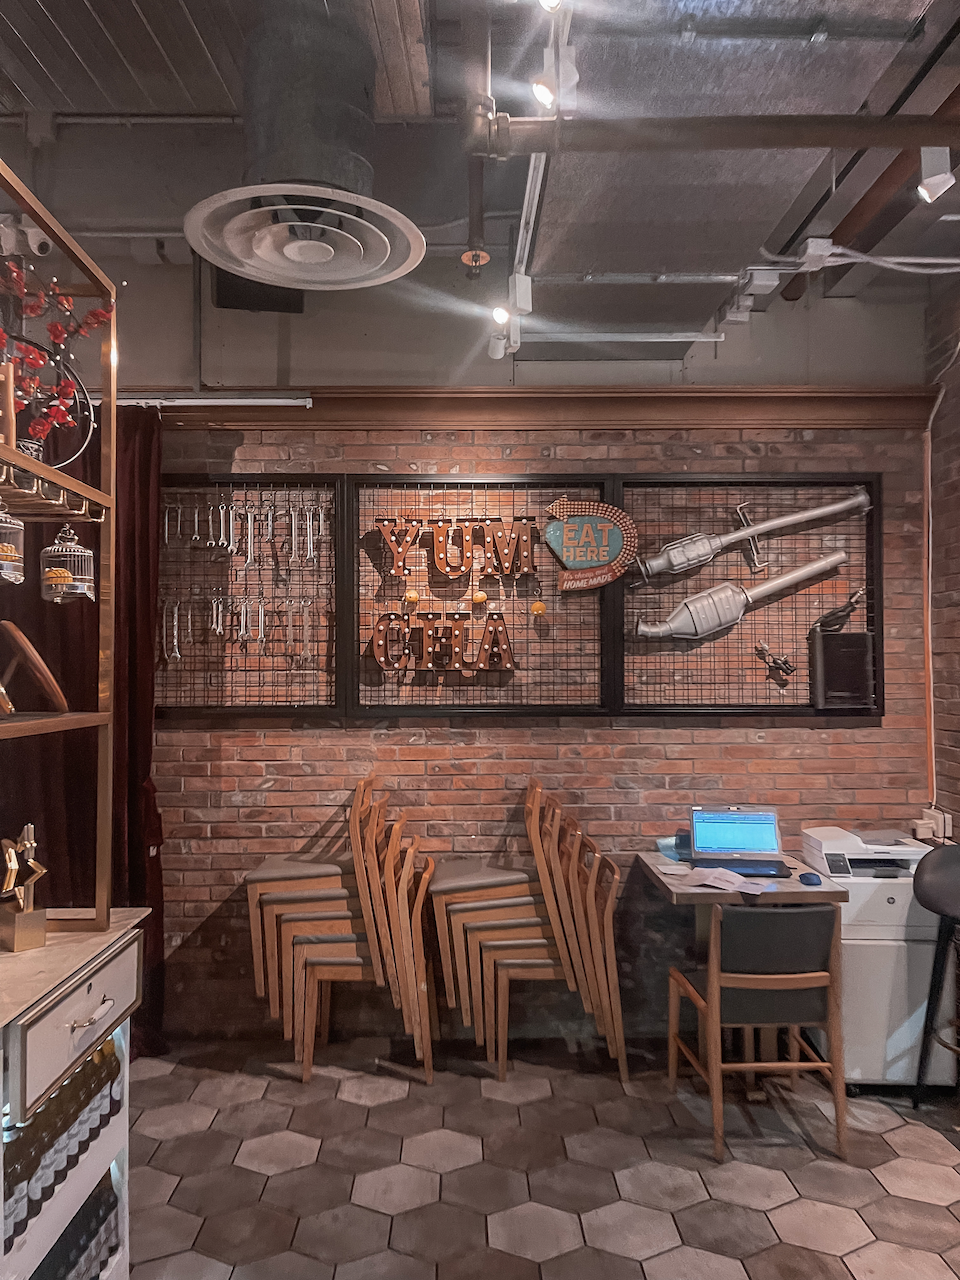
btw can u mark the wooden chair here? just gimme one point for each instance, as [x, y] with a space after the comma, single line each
[582, 872]
[281, 874]
[600, 905]
[463, 915]
[344, 916]
[412, 955]
[766, 967]
[532, 966]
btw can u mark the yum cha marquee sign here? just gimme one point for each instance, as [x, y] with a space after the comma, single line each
[593, 541]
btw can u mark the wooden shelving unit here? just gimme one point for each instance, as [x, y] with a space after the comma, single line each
[34, 491]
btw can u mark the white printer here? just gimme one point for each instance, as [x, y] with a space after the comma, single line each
[888, 941]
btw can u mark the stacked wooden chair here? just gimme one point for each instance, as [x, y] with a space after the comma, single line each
[497, 926]
[313, 925]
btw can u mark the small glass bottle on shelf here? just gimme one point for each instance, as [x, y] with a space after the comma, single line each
[11, 546]
[66, 569]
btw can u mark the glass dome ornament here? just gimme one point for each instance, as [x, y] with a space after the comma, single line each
[66, 569]
[11, 546]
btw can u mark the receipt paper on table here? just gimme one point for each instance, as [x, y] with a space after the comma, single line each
[718, 878]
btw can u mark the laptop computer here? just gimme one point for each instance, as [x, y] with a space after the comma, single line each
[740, 839]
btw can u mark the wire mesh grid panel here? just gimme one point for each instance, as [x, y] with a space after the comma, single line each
[458, 603]
[695, 652]
[246, 596]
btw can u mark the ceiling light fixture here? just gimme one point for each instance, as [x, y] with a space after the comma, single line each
[501, 315]
[936, 175]
[551, 6]
[545, 91]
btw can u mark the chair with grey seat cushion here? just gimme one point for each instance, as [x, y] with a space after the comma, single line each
[766, 966]
[936, 886]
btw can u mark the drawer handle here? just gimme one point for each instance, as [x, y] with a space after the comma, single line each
[105, 1007]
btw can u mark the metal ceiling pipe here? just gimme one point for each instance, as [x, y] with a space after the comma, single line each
[499, 136]
[308, 97]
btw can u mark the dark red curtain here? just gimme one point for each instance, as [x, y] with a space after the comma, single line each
[137, 833]
[51, 781]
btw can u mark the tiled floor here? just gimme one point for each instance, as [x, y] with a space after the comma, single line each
[555, 1175]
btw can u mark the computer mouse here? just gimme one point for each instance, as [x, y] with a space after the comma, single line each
[810, 878]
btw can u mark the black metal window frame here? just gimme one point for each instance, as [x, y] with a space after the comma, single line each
[613, 703]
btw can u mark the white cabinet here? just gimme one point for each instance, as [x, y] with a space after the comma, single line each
[884, 1001]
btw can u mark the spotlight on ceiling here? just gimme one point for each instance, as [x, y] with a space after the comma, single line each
[544, 90]
[935, 173]
[497, 346]
[551, 6]
[500, 315]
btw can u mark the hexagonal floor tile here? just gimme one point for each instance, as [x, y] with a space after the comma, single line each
[580, 1087]
[360, 1150]
[558, 1115]
[591, 1264]
[827, 1228]
[920, 1143]
[867, 1115]
[196, 1153]
[448, 1090]
[218, 1191]
[633, 1115]
[149, 1187]
[605, 1149]
[771, 1153]
[372, 1091]
[788, 1262]
[917, 1180]
[517, 1089]
[630, 1230]
[294, 1093]
[729, 1229]
[920, 1226]
[183, 1266]
[836, 1183]
[310, 1190]
[883, 1261]
[438, 1231]
[396, 1189]
[161, 1091]
[534, 1231]
[442, 1150]
[573, 1187]
[686, 1150]
[485, 1263]
[661, 1186]
[485, 1187]
[277, 1152]
[148, 1068]
[141, 1149]
[177, 1120]
[749, 1185]
[284, 1266]
[246, 1235]
[387, 1266]
[685, 1263]
[323, 1119]
[228, 1090]
[524, 1149]
[157, 1232]
[340, 1235]
[406, 1118]
[483, 1117]
[252, 1119]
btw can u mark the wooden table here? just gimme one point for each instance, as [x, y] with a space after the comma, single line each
[787, 892]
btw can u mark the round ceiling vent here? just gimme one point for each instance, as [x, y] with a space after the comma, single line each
[302, 236]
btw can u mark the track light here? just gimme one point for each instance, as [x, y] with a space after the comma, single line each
[545, 91]
[551, 6]
[500, 315]
[935, 173]
[497, 346]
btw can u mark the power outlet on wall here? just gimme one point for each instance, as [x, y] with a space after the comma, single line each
[941, 823]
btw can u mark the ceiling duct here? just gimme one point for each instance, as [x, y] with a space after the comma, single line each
[305, 217]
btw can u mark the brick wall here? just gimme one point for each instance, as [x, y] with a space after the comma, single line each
[231, 797]
[943, 337]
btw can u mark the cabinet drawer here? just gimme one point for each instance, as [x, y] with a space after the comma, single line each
[51, 1038]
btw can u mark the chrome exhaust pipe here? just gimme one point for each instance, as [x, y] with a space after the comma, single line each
[724, 605]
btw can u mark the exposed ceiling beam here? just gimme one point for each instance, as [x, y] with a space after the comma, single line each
[500, 135]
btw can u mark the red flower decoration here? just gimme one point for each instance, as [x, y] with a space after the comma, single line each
[66, 389]
[58, 334]
[40, 428]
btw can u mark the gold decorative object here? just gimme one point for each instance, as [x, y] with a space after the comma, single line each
[22, 926]
[411, 596]
[479, 597]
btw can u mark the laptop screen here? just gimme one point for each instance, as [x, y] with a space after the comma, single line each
[724, 832]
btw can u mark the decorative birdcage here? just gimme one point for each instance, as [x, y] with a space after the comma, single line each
[66, 569]
[11, 546]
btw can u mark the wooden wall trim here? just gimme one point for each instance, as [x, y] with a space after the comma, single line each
[578, 408]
